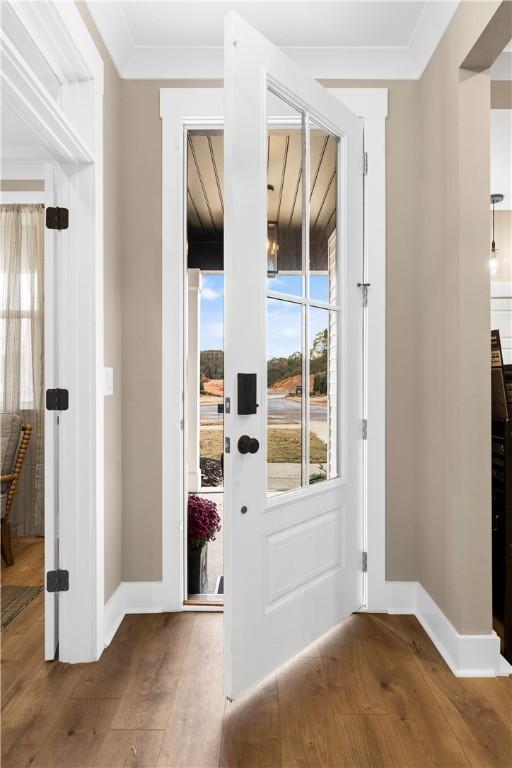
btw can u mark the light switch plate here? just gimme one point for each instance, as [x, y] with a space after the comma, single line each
[109, 381]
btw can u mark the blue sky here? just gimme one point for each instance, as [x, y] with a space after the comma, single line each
[284, 324]
[318, 286]
[212, 312]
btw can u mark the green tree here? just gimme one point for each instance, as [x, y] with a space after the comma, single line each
[318, 354]
[212, 364]
[284, 367]
[320, 383]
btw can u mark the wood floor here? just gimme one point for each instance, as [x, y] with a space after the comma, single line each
[373, 692]
[28, 568]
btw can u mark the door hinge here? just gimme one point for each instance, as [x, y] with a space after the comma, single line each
[57, 399]
[364, 292]
[182, 424]
[57, 218]
[57, 581]
[228, 405]
[365, 163]
[227, 445]
[364, 429]
[365, 562]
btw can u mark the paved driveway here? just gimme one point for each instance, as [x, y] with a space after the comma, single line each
[280, 409]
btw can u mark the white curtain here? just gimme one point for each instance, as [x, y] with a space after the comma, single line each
[22, 350]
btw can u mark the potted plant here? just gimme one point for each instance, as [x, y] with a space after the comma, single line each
[203, 524]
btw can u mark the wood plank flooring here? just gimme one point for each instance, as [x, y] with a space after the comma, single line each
[28, 567]
[373, 692]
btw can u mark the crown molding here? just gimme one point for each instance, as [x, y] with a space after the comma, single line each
[327, 63]
[113, 29]
[206, 63]
[431, 27]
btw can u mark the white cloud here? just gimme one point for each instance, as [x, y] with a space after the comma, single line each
[208, 293]
[288, 333]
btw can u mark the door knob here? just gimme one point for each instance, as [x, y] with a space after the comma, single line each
[248, 444]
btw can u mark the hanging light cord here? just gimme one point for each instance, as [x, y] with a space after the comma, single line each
[495, 198]
[493, 245]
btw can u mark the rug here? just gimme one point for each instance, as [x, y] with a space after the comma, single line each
[14, 600]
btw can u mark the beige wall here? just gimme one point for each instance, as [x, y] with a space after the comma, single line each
[438, 485]
[113, 312]
[142, 414]
[501, 94]
[452, 429]
[142, 332]
[141, 181]
[402, 212]
[22, 185]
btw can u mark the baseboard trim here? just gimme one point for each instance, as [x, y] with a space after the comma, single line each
[131, 597]
[113, 614]
[144, 597]
[466, 655]
[401, 596]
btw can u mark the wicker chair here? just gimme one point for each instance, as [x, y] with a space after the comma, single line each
[15, 437]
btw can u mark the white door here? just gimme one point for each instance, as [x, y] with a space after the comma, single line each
[293, 242]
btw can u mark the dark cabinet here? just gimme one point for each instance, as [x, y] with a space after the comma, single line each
[502, 528]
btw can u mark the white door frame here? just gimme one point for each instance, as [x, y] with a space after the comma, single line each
[182, 108]
[68, 121]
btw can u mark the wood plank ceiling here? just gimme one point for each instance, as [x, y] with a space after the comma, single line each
[205, 204]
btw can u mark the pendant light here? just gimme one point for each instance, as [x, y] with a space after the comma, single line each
[493, 264]
[272, 244]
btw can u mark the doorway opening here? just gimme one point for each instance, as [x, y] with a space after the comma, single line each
[22, 398]
[204, 369]
[184, 111]
[302, 333]
[501, 364]
[52, 159]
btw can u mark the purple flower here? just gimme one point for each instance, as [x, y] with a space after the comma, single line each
[203, 522]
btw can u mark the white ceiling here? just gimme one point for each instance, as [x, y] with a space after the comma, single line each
[314, 24]
[329, 38]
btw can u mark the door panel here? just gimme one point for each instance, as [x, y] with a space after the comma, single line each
[293, 258]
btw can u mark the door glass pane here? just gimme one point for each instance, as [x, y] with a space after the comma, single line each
[301, 451]
[322, 214]
[285, 139]
[322, 399]
[285, 395]
[210, 324]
